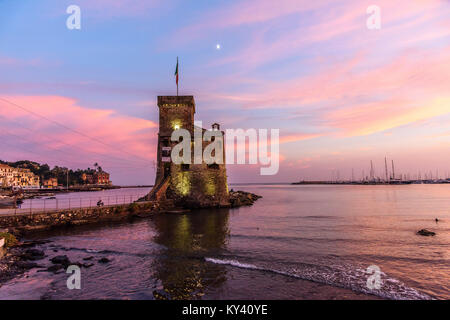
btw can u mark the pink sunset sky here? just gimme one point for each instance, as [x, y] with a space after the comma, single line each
[340, 94]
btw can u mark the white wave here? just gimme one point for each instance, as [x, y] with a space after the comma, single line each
[339, 277]
[233, 263]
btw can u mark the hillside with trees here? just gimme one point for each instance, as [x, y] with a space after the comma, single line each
[45, 172]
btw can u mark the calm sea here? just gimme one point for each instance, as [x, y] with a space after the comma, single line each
[297, 242]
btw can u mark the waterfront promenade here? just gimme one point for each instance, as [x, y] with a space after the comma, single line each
[56, 208]
[77, 200]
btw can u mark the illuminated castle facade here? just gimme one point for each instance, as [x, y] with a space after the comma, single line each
[192, 185]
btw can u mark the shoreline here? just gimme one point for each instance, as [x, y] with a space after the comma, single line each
[42, 255]
[15, 260]
[13, 263]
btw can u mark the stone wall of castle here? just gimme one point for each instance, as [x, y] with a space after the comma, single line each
[191, 185]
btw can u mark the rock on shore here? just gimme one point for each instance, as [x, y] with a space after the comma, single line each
[426, 233]
[63, 260]
[24, 256]
[18, 259]
[242, 198]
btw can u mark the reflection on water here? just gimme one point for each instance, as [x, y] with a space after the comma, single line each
[157, 258]
[297, 242]
[186, 239]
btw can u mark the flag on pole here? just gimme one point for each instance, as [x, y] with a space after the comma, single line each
[176, 75]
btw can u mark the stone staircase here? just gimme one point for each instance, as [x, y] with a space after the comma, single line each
[158, 193]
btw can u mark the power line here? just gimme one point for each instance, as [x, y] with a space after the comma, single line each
[50, 148]
[44, 160]
[66, 127]
[69, 145]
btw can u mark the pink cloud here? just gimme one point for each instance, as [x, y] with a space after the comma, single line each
[375, 117]
[248, 12]
[332, 19]
[412, 87]
[298, 137]
[117, 140]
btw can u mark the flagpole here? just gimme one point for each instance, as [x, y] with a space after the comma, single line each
[178, 72]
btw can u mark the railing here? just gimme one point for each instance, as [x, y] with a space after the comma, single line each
[48, 205]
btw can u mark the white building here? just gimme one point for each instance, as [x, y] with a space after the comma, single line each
[18, 177]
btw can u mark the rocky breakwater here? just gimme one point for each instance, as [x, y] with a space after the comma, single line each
[16, 257]
[175, 204]
[20, 257]
[242, 198]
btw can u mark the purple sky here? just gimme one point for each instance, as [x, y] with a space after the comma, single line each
[340, 94]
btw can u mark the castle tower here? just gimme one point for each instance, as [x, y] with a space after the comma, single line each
[189, 185]
[175, 112]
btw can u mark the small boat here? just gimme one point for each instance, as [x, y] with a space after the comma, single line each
[178, 211]
[2, 242]
[6, 202]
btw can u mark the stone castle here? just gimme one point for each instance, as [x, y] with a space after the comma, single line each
[191, 185]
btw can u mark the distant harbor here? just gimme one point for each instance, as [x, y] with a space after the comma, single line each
[387, 178]
[374, 182]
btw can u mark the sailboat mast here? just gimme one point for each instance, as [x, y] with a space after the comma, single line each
[393, 170]
[386, 169]
[372, 174]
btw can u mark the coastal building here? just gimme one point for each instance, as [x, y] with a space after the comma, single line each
[187, 184]
[87, 178]
[6, 175]
[26, 178]
[101, 178]
[18, 177]
[51, 183]
[97, 178]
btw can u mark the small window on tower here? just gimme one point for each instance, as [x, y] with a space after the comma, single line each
[185, 167]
